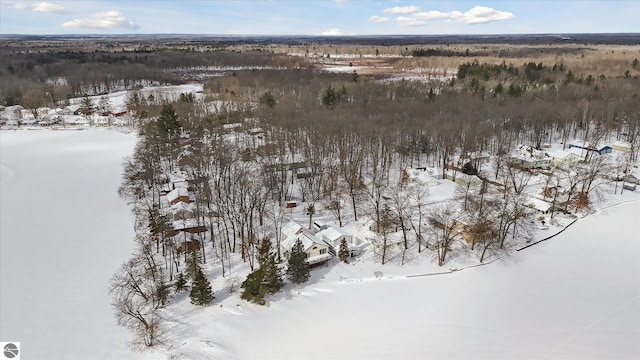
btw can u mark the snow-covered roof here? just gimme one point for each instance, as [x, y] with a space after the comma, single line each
[292, 229]
[538, 204]
[176, 193]
[332, 234]
[308, 241]
[173, 177]
[526, 153]
[185, 224]
[232, 126]
[579, 143]
[562, 154]
[578, 152]
[180, 206]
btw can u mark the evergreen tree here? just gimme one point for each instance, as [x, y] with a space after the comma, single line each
[192, 265]
[201, 293]
[343, 252]
[86, 106]
[272, 275]
[268, 99]
[252, 289]
[298, 270]
[168, 123]
[265, 280]
[181, 283]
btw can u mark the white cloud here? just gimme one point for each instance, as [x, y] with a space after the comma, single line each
[45, 7]
[332, 32]
[431, 15]
[402, 9]
[108, 20]
[481, 14]
[409, 21]
[379, 19]
[49, 8]
[476, 15]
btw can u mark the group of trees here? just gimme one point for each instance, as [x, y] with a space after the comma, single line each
[279, 135]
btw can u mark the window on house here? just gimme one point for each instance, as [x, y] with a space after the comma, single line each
[323, 251]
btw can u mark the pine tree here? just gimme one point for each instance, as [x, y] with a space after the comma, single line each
[191, 266]
[268, 99]
[168, 123]
[343, 252]
[86, 106]
[265, 280]
[298, 270]
[201, 293]
[252, 289]
[272, 275]
[181, 283]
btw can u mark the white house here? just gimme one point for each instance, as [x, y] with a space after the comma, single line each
[334, 236]
[75, 120]
[528, 157]
[559, 157]
[101, 120]
[316, 249]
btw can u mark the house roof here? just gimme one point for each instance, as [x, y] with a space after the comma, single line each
[292, 229]
[578, 152]
[185, 224]
[176, 193]
[180, 206]
[538, 204]
[332, 233]
[579, 143]
[561, 154]
[308, 241]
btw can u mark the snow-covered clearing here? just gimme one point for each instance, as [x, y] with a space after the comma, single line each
[63, 233]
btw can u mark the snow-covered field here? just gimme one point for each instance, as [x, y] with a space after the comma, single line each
[64, 232]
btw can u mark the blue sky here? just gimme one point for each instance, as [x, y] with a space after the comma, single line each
[318, 17]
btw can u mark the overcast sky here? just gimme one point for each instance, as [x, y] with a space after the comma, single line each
[318, 17]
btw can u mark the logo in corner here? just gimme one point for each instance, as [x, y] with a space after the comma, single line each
[10, 350]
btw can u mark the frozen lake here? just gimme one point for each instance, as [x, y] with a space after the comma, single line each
[63, 233]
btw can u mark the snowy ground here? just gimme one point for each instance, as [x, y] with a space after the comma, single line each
[574, 297]
[63, 233]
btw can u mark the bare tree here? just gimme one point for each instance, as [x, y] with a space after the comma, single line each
[445, 223]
